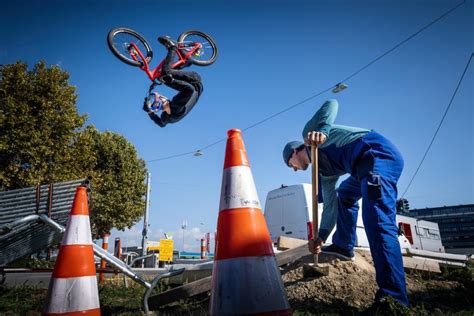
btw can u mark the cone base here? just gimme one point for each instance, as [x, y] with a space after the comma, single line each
[90, 312]
[72, 295]
[250, 285]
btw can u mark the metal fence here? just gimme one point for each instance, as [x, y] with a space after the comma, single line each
[20, 233]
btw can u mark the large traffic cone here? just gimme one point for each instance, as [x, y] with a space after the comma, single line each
[245, 277]
[73, 286]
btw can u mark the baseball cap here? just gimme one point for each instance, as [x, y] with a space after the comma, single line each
[289, 148]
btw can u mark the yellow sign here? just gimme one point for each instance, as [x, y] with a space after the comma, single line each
[166, 250]
[153, 248]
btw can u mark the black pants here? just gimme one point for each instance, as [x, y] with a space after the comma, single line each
[178, 79]
[189, 87]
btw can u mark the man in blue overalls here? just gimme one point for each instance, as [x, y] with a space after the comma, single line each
[374, 165]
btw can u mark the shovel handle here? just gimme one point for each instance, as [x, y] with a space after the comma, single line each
[315, 187]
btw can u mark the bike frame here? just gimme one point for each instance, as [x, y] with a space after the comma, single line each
[156, 73]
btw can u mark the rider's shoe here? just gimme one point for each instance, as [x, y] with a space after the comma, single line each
[166, 41]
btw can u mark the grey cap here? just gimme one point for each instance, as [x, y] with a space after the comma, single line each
[289, 148]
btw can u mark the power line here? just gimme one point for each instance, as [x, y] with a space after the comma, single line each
[244, 129]
[172, 156]
[323, 91]
[403, 42]
[439, 126]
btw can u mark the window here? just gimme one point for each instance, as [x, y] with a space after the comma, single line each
[433, 234]
[420, 231]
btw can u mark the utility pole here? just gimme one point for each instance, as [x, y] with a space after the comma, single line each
[184, 224]
[145, 216]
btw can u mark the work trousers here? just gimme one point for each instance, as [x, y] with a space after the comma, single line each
[377, 186]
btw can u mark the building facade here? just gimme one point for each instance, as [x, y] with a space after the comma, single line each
[456, 226]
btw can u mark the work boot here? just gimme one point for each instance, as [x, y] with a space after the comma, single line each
[166, 41]
[344, 255]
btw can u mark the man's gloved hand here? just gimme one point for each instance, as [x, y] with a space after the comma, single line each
[315, 246]
[166, 79]
[145, 107]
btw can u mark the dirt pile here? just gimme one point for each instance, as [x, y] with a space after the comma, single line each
[349, 285]
[350, 288]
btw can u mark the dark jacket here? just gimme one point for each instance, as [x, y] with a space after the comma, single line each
[189, 85]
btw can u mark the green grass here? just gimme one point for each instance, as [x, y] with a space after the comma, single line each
[116, 299]
[22, 299]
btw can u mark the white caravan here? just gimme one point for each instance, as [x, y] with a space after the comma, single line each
[288, 212]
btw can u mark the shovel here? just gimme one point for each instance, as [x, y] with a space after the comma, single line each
[315, 269]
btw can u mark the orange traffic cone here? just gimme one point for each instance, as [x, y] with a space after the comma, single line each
[245, 276]
[73, 286]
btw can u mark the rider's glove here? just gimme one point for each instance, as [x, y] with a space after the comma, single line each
[146, 107]
[166, 79]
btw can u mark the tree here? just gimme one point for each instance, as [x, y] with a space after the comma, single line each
[43, 140]
[39, 120]
[118, 181]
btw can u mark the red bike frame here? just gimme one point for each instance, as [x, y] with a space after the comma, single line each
[156, 73]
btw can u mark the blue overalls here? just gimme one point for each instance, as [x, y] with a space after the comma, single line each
[374, 165]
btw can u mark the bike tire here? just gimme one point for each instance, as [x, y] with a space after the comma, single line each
[206, 47]
[115, 44]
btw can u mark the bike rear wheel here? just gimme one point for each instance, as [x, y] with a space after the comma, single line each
[207, 54]
[119, 41]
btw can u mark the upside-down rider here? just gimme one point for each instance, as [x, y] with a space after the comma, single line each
[187, 83]
[374, 166]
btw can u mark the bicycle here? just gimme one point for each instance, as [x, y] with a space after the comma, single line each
[193, 46]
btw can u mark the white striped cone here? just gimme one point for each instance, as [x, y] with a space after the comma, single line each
[73, 286]
[245, 276]
[203, 248]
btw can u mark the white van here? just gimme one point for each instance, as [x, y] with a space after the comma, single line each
[421, 234]
[288, 212]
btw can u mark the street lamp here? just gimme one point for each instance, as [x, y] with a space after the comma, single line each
[184, 224]
[339, 87]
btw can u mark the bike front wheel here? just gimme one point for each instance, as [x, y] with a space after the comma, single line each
[120, 43]
[206, 55]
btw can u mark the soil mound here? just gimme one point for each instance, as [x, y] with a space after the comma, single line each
[350, 288]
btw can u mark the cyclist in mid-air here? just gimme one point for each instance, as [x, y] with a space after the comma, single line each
[187, 83]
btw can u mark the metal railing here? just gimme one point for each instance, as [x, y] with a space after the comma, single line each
[33, 219]
[21, 233]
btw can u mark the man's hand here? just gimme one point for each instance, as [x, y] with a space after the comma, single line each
[145, 107]
[315, 138]
[314, 246]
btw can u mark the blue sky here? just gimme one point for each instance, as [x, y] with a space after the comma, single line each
[272, 54]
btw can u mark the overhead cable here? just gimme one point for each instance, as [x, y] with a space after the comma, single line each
[323, 91]
[439, 126]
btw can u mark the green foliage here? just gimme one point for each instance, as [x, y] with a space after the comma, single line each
[39, 120]
[43, 140]
[463, 275]
[35, 263]
[118, 181]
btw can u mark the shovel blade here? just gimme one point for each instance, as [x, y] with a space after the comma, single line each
[312, 270]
